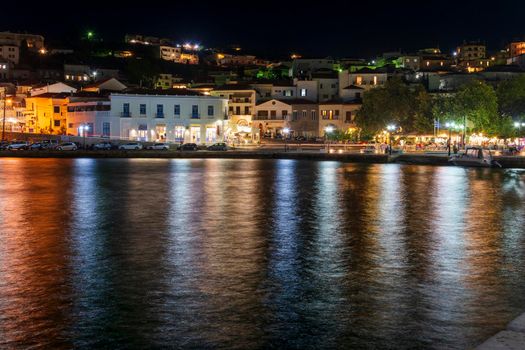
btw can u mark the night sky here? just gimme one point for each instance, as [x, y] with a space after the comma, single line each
[337, 28]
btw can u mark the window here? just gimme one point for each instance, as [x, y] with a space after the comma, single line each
[125, 109]
[357, 95]
[314, 114]
[142, 109]
[304, 115]
[284, 113]
[273, 114]
[333, 86]
[195, 111]
[105, 129]
[262, 113]
[179, 133]
[57, 123]
[348, 117]
[294, 115]
[324, 113]
[160, 111]
[304, 92]
[320, 86]
[56, 109]
[210, 111]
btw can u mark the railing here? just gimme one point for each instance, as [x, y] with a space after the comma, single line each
[195, 116]
[125, 115]
[280, 117]
[159, 115]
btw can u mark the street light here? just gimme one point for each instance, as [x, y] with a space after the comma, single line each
[6, 101]
[327, 131]
[286, 132]
[391, 128]
[84, 128]
[449, 126]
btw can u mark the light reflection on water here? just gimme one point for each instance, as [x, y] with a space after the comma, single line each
[257, 253]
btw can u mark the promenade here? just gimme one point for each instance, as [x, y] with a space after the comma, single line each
[317, 155]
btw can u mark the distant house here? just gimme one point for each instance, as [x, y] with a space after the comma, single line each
[108, 84]
[51, 88]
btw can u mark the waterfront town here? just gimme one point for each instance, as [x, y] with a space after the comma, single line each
[151, 89]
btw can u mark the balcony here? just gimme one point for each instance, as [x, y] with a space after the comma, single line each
[195, 116]
[125, 114]
[159, 115]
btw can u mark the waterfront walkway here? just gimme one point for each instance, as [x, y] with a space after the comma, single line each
[349, 157]
[512, 338]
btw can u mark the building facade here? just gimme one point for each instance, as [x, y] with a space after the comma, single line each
[180, 116]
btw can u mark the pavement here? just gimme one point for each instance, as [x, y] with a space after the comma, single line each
[512, 338]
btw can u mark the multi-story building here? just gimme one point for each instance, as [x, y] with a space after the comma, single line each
[47, 113]
[302, 89]
[327, 85]
[304, 67]
[10, 53]
[272, 116]
[515, 49]
[241, 102]
[365, 78]
[33, 42]
[170, 53]
[412, 62]
[92, 112]
[338, 115]
[305, 118]
[471, 51]
[189, 58]
[169, 115]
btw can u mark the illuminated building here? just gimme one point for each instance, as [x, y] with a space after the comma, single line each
[305, 118]
[365, 78]
[515, 49]
[34, 42]
[472, 57]
[241, 109]
[47, 113]
[272, 116]
[170, 53]
[169, 115]
[337, 114]
[93, 112]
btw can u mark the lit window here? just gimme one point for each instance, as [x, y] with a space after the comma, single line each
[303, 92]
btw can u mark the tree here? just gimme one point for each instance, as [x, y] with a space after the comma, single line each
[477, 103]
[511, 98]
[395, 103]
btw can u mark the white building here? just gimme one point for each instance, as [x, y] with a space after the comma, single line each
[93, 113]
[365, 78]
[170, 115]
[10, 53]
[51, 88]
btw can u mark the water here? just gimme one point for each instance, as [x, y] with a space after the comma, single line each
[257, 254]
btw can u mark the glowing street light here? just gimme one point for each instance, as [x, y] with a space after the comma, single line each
[286, 132]
[391, 128]
[327, 131]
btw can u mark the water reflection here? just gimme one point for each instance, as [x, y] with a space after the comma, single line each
[257, 254]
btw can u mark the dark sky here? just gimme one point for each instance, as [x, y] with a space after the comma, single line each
[337, 28]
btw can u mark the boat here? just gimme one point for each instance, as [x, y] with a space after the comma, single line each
[475, 157]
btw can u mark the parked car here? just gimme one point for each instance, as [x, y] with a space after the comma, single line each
[300, 138]
[103, 146]
[188, 147]
[220, 146]
[159, 146]
[50, 144]
[4, 145]
[130, 146]
[67, 146]
[38, 146]
[18, 145]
